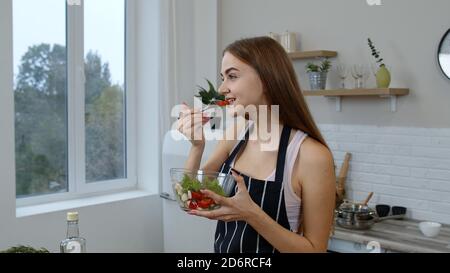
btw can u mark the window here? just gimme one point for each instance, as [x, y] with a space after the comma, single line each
[105, 107]
[71, 98]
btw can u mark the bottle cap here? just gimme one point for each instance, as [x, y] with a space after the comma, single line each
[72, 216]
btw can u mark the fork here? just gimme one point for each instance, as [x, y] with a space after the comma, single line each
[207, 107]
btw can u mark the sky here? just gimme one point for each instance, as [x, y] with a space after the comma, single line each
[43, 21]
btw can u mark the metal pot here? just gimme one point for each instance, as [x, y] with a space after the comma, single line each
[358, 224]
[359, 216]
[355, 215]
[355, 212]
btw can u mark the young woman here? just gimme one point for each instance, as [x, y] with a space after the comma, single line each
[284, 199]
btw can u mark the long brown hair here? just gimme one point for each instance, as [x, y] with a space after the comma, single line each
[280, 82]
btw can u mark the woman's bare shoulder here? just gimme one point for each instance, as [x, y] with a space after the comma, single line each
[314, 151]
[314, 156]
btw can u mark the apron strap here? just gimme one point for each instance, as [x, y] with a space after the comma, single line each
[282, 149]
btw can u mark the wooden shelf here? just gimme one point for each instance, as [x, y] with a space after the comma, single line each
[358, 92]
[391, 93]
[312, 54]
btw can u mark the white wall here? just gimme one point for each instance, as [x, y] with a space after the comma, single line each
[147, 84]
[132, 225]
[407, 32]
[7, 174]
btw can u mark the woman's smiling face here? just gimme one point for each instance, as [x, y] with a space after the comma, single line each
[241, 84]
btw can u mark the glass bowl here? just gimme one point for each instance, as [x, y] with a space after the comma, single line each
[186, 185]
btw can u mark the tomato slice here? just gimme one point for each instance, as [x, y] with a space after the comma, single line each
[205, 203]
[222, 103]
[197, 195]
[193, 204]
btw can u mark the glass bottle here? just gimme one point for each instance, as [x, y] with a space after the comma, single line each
[73, 242]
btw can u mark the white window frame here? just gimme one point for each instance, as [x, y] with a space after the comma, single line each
[78, 188]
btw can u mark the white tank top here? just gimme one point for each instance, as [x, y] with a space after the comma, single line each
[292, 201]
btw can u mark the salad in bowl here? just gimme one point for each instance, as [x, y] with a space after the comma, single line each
[187, 186]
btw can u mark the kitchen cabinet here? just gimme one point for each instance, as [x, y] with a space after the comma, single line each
[390, 236]
[344, 246]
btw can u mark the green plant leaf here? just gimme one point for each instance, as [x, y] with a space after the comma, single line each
[375, 53]
[324, 66]
[208, 96]
[24, 249]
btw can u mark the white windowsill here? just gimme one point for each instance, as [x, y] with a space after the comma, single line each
[82, 202]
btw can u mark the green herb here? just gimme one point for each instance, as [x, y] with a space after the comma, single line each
[194, 185]
[25, 249]
[214, 186]
[190, 184]
[324, 66]
[209, 96]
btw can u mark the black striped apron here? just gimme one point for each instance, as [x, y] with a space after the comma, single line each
[238, 236]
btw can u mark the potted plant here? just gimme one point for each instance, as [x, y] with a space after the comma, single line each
[318, 74]
[383, 76]
[24, 249]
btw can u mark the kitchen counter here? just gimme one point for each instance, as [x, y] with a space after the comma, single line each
[396, 236]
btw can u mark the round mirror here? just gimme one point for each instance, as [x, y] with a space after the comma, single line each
[444, 54]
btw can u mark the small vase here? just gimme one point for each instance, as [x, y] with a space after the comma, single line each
[317, 80]
[383, 77]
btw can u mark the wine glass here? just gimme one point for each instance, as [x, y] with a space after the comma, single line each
[354, 72]
[358, 73]
[342, 73]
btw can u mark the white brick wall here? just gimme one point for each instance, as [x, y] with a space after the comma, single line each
[403, 166]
